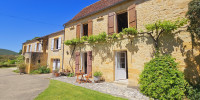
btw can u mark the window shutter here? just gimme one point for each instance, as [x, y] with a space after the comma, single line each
[77, 62]
[59, 42]
[90, 27]
[39, 49]
[78, 30]
[54, 64]
[27, 48]
[111, 25]
[132, 16]
[52, 44]
[89, 62]
[35, 47]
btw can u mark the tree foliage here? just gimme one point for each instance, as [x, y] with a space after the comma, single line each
[162, 80]
[193, 15]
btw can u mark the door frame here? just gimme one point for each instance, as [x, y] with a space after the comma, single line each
[115, 63]
[82, 62]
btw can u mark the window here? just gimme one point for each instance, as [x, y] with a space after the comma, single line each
[29, 48]
[38, 61]
[56, 44]
[85, 29]
[56, 64]
[122, 21]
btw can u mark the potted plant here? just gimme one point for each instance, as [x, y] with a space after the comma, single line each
[22, 67]
[97, 75]
[56, 72]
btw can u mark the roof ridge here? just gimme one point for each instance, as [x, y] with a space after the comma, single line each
[94, 8]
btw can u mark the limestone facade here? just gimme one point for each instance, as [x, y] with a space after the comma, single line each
[140, 49]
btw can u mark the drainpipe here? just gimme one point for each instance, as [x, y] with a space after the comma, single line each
[63, 48]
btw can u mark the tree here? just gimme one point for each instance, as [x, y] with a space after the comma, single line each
[157, 29]
[193, 15]
[20, 52]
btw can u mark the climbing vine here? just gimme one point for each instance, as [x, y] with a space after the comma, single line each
[154, 30]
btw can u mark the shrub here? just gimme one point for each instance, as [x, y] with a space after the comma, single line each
[98, 74]
[71, 75]
[41, 70]
[130, 31]
[161, 79]
[192, 92]
[21, 66]
[35, 72]
[20, 59]
[44, 70]
[12, 61]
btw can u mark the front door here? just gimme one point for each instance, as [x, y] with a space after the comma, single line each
[120, 66]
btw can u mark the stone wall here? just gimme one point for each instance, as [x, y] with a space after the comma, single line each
[55, 54]
[140, 49]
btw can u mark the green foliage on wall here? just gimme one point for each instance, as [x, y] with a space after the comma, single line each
[193, 15]
[102, 37]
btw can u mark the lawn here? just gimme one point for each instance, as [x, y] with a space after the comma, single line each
[63, 91]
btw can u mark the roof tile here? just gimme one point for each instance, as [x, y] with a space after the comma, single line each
[102, 4]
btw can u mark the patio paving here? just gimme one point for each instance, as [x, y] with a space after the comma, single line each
[108, 88]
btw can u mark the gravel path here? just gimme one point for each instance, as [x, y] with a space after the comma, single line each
[109, 88]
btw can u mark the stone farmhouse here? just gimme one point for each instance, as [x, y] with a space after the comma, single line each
[121, 60]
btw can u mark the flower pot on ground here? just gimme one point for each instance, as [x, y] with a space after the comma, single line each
[22, 67]
[56, 72]
[97, 75]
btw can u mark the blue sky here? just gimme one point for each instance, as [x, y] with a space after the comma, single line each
[21, 20]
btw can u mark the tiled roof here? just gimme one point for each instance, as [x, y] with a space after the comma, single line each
[44, 36]
[94, 8]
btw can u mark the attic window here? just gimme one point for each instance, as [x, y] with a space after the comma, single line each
[122, 21]
[85, 29]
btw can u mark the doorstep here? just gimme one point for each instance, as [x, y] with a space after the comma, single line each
[123, 83]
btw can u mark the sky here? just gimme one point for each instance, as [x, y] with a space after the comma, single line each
[22, 20]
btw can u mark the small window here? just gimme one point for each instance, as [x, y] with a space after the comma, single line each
[29, 49]
[85, 29]
[122, 21]
[56, 41]
[38, 61]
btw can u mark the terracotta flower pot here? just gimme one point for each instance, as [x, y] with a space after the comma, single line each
[57, 74]
[21, 71]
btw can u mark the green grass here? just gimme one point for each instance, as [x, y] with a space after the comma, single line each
[63, 91]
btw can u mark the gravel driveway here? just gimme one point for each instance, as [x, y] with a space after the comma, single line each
[109, 88]
[21, 87]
